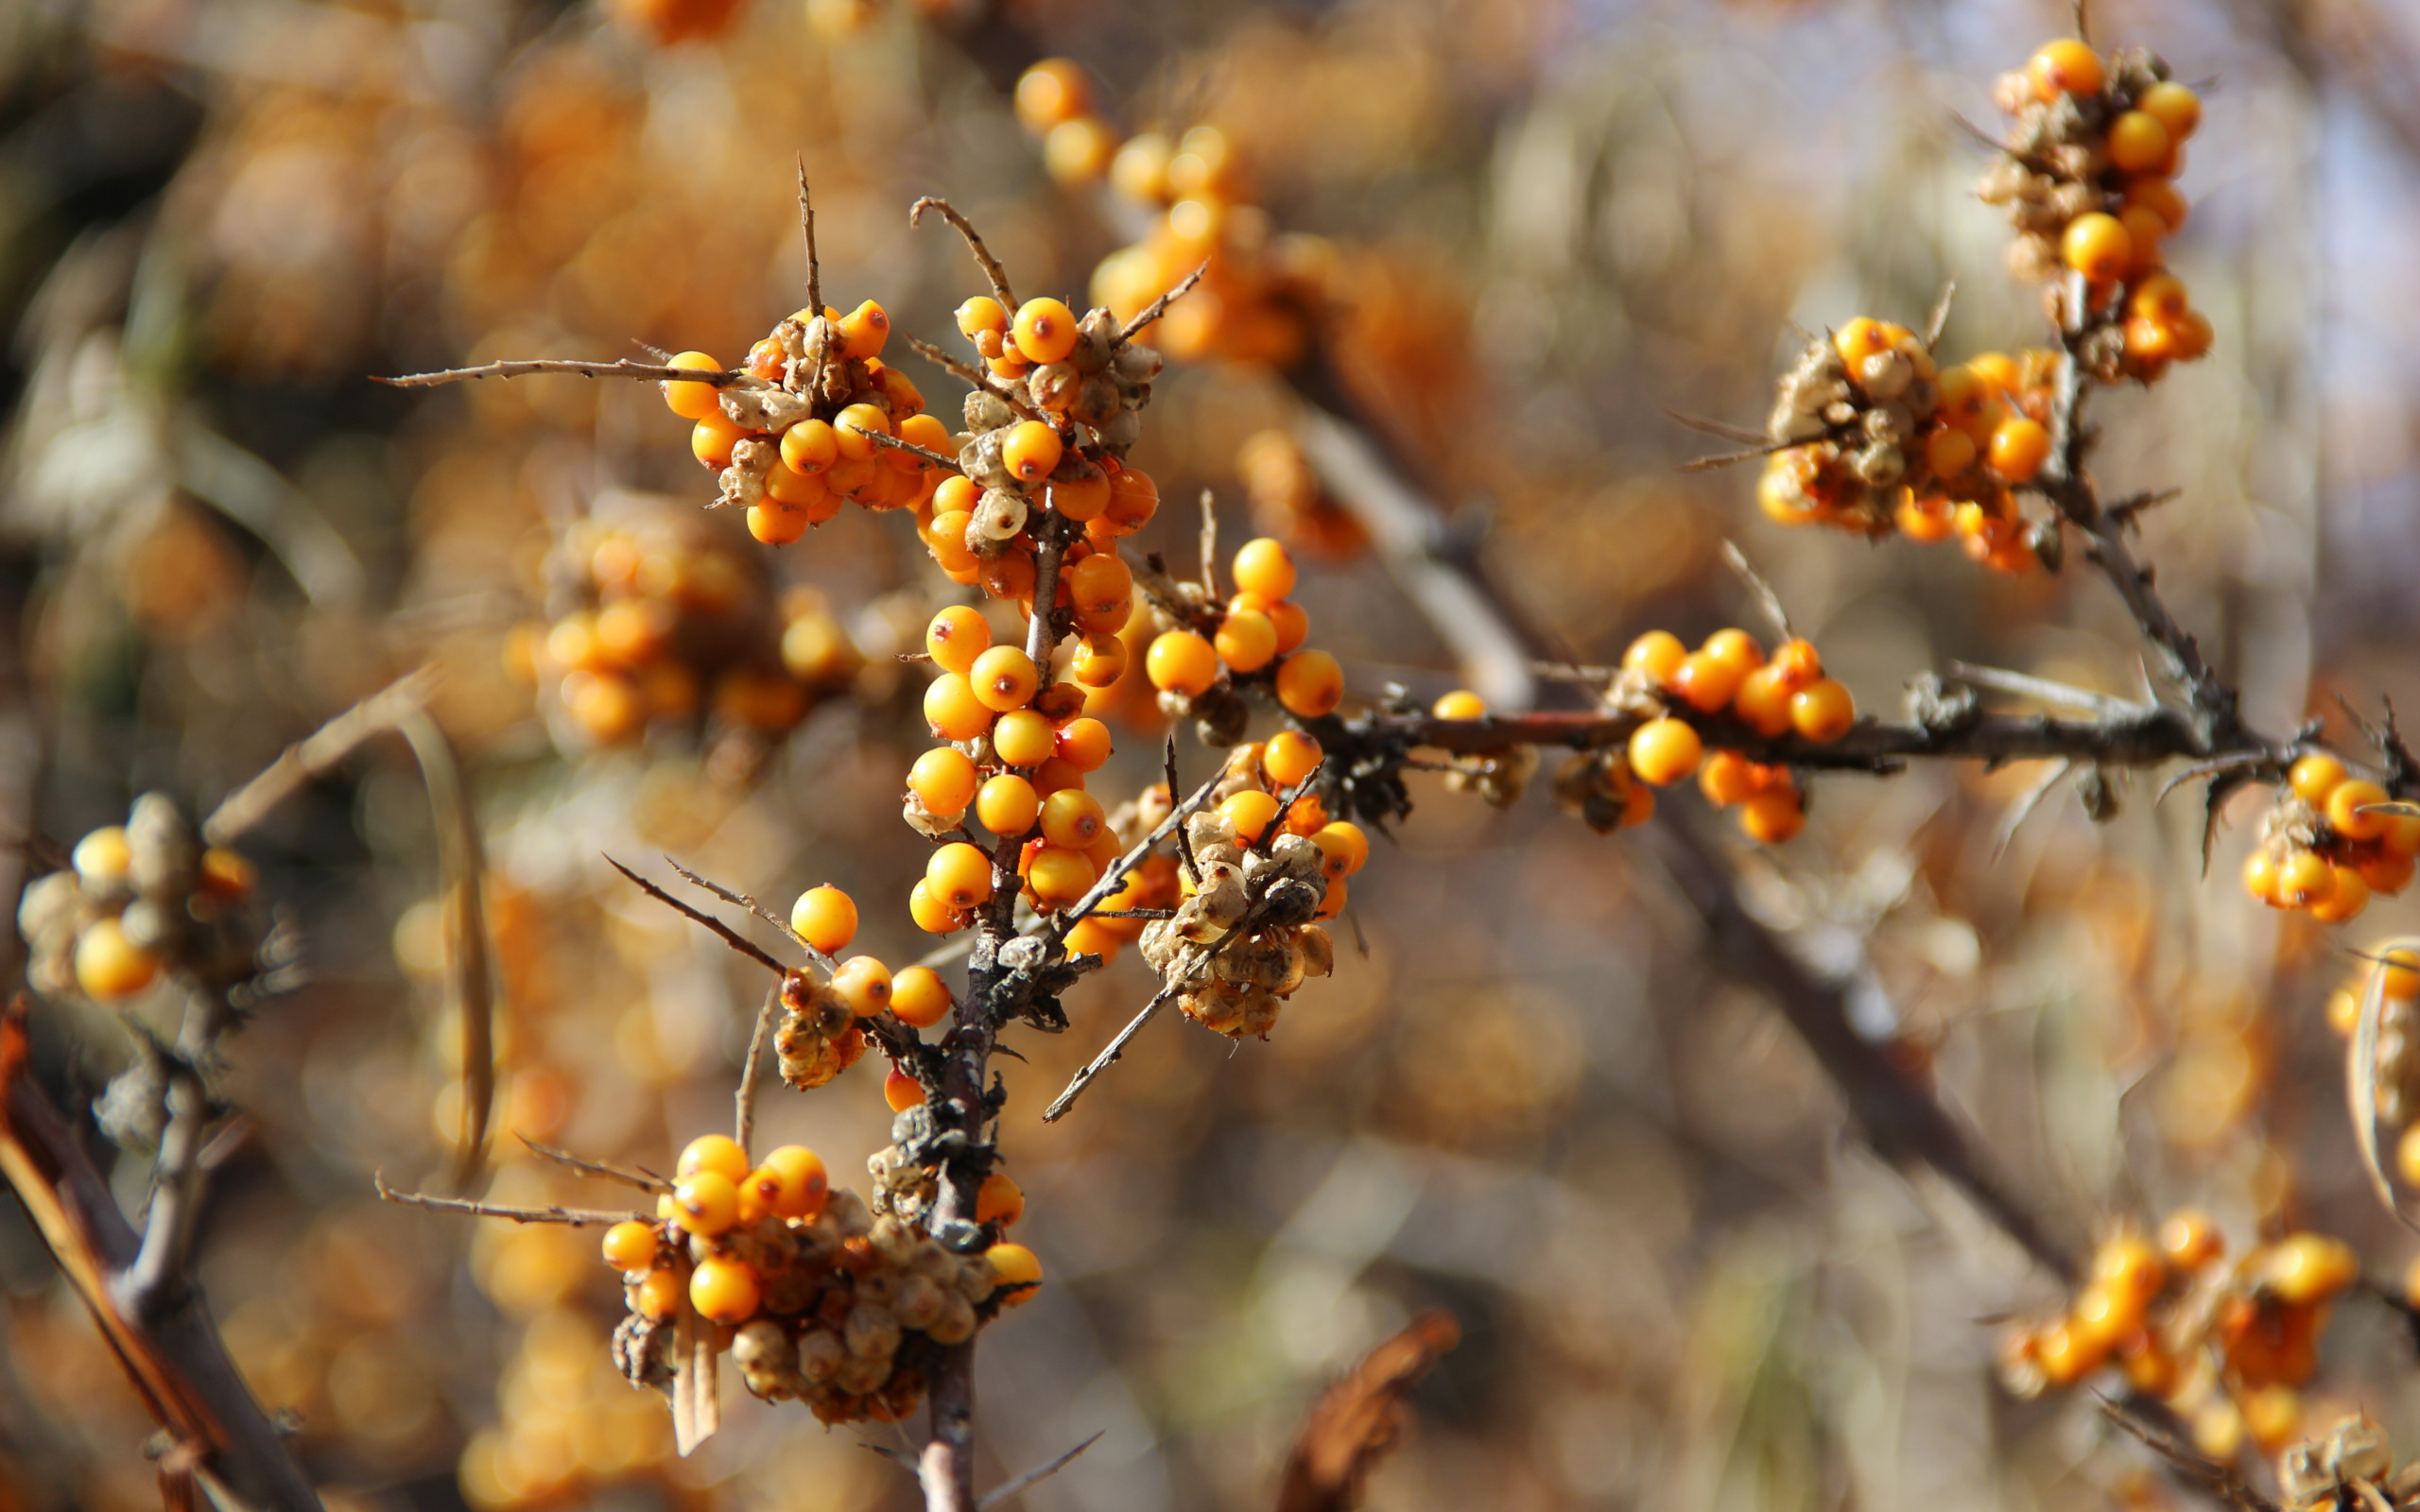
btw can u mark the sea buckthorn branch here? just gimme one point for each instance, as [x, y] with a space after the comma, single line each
[1152, 312]
[552, 1213]
[532, 367]
[1114, 879]
[169, 1348]
[999, 389]
[645, 1180]
[991, 265]
[742, 899]
[729, 936]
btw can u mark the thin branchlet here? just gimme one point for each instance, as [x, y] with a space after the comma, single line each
[1158, 307]
[531, 366]
[729, 936]
[991, 268]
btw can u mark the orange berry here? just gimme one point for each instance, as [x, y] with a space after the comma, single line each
[1249, 811]
[1289, 757]
[718, 1153]
[825, 917]
[1009, 575]
[1099, 583]
[932, 914]
[1664, 750]
[1926, 520]
[2347, 895]
[1085, 744]
[864, 330]
[1822, 711]
[1727, 778]
[2144, 230]
[864, 984]
[2305, 880]
[1003, 678]
[980, 314]
[1763, 702]
[1133, 498]
[2345, 802]
[2387, 873]
[901, 1090]
[946, 539]
[1735, 648]
[1774, 816]
[2160, 197]
[692, 401]
[1057, 775]
[1658, 654]
[712, 438]
[1046, 331]
[2401, 968]
[1182, 662]
[2176, 107]
[919, 997]
[1346, 847]
[998, 1200]
[1060, 875]
[724, 1290]
[2260, 876]
[1073, 818]
[2097, 246]
[1705, 683]
[1310, 684]
[2138, 142]
[1292, 622]
[1262, 566]
[1860, 339]
[2019, 447]
[1008, 805]
[1100, 659]
[1013, 1265]
[1031, 450]
[1023, 738]
[944, 781]
[1246, 640]
[630, 1246]
[854, 428]
[1333, 904]
[1081, 499]
[2315, 777]
[1460, 704]
[2067, 66]
[706, 1202]
[793, 489]
[956, 637]
[658, 1297]
[791, 1182]
[927, 431]
[953, 707]
[1949, 452]
[108, 966]
[959, 876]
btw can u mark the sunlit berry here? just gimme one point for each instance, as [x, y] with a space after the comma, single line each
[956, 637]
[1023, 738]
[927, 431]
[2347, 895]
[1289, 757]
[1246, 640]
[1008, 805]
[1763, 699]
[1057, 775]
[1310, 684]
[1249, 811]
[712, 438]
[718, 1153]
[1663, 752]
[1862, 337]
[954, 709]
[1263, 566]
[980, 314]
[724, 1290]
[1726, 778]
[930, 913]
[959, 876]
[1927, 520]
[1081, 499]
[998, 1200]
[1822, 711]
[1014, 1266]
[825, 917]
[901, 1090]
[1774, 816]
[1003, 678]
[1084, 743]
[1949, 452]
[2345, 803]
[944, 780]
[2019, 447]
[1008, 574]
[2260, 876]
[692, 401]
[630, 1246]
[1346, 848]
[864, 984]
[2315, 777]
[1293, 623]
[1074, 818]
[1046, 331]
[101, 858]
[2176, 107]
[1657, 654]
[1704, 682]
[2305, 880]
[2097, 246]
[1133, 498]
[1181, 661]
[108, 966]
[708, 1202]
[2067, 66]
[2304, 1269]
[1060, 875]
[2138, 142]
[1100, 661]
[1099, 583]
[1031, 450]
[658, 1297]
[853, 429]
[864, 330]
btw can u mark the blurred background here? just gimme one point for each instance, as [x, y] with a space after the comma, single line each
[1518, 233]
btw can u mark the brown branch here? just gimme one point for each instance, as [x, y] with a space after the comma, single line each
[1088, 906]
[316, 755]
[470, 987]
[1109, 1056]
[531, 366]
[553, 1212]
[936, 459]
[806, 229]
[730, 936]
[740, 899]
[746, 1097]
[643, 1181]
[1360, 1419]
[991, 268]
[1039, 1473]
[1158, 307]
[967, 372]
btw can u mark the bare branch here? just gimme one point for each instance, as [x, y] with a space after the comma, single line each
[730, 936]
[1109, 1056]
[1152, 312]
[1210, 545]
[936, 459]
[531, 366]
[1089, 904]
[991, 268]
[1006, 393]
[740, 899]
[806, 229]
[2044, 689]
[1938, 320]
[1766, 598]
[746, 1096]
[316, 755]
[470, 988]
[1720, 430]
[576, 1217]
[1001, 1493]
[643, 1181]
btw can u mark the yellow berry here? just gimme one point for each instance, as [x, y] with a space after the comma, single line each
[1460, 704]
[1008, 805]
[919, 997]
[1289, 757]
[1249, 811]
[956, 637]
[1263, 567]
[2315, 777]
[959, 876]
[980, 313]
[630, 1246]
[2065, 66]
[864, 984]
[953, 707]
[108, 966]
[1245, 641]
[1045, 331]
[1023, 738]
[1013, 1265]
[792, 1182]
[825, 917]
[853, 429]
[2097, 246]
[944, 779]
[708, 1202]
[692, 401]
[1310, 684]
[1182, 662]
[1003, 678]
[1664, 750]
[724, 1290]
[998, 1200]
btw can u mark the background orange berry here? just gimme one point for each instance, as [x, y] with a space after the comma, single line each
[1664, 750]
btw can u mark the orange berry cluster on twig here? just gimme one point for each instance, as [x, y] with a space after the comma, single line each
[1253, 639]
[2226, 1345]
[1784, 694]
[2328, 844]
[138, 900]
[2088, 181]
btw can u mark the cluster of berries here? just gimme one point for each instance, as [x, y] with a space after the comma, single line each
[675, 626]
[2088, 184]
[1252, 304]
[140, 899]
[819, 1036]
[1730, 675]
[795, 435]
[1045, 438]
[1289, 502]
[1243, 938]
[1874, 438]
[826, 1303]
[2227, 1345]
[2326, 845]
[1255, 637]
